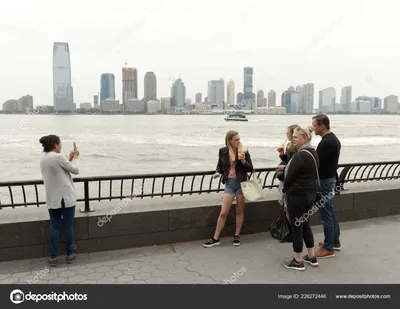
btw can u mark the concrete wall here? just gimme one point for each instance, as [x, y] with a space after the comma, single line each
[24, 232]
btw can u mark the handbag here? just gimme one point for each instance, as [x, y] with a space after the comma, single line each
[280, 229]
[280, 175]
[252, 189]
[319, 190]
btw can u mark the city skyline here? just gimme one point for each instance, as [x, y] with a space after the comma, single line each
[299, 100]
[326, 43]
[304, 101]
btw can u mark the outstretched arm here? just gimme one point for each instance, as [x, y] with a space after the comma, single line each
[72, 167]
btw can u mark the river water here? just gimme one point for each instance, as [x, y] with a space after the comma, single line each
[141, 144]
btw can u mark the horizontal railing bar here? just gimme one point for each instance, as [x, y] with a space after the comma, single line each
[22, 204]
[167, 175]
[185, 183]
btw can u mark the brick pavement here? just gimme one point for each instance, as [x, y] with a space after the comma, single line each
[369, 255]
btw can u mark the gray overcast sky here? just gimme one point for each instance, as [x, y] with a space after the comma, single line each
[292, 42]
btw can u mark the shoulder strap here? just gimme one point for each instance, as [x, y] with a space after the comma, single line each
[316, 167]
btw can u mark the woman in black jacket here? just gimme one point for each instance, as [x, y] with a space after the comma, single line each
[286, 154]
[299, 192]
[233, 164]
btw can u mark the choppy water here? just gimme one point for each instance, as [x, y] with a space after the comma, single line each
[122, 144]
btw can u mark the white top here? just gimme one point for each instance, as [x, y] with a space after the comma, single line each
[56, 171]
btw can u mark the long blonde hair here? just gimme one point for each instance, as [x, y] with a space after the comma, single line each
[228, 138]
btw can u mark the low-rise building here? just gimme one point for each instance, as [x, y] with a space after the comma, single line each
[110, 105]
[153, 107]
[134, 106]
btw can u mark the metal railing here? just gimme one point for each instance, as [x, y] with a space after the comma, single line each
[100, 188]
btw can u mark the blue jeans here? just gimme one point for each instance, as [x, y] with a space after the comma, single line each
[232, 186]
[327, 214]
[61, 218]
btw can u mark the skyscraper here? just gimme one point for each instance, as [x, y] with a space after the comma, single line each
[327, 100]
[291, 101]
[271, 98]
[62, 88]
[10, 105]
[391, 104]
[150, 86]
[306, 98]
[129, 84]
[96, 100]
[230, 93]
[299, 90]
[25, 103]
[178, 93]
[107, 86]
[216, 92]
[345, 98]
[376, 103]
[248, 86]
[260, 98]
[239, 98]
[198, 97]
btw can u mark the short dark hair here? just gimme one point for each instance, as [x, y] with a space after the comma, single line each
[49, 142]
[322, 119]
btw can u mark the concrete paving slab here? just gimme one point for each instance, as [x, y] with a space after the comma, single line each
[369, 255]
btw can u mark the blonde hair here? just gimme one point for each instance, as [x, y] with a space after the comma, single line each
[291, 147]
[228, 138]
[305, 131]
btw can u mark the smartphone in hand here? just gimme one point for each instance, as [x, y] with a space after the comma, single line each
[74, 146]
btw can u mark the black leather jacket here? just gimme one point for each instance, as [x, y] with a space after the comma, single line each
[280, 175]
[224, 165]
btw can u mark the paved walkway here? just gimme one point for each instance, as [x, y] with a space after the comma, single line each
[369, 255]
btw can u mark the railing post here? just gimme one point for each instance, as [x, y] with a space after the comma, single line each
[87, 207]
[342, 177]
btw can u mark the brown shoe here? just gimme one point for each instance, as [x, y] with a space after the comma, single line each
[336, 247]
[53, 262]
[323, 253]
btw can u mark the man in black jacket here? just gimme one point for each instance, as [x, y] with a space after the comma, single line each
[328, 152]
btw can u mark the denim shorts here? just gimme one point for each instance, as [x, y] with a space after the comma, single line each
[232, 186]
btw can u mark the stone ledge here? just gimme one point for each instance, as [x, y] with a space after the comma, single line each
[175, 220]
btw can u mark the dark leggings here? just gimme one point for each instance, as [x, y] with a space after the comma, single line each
[297, 206]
